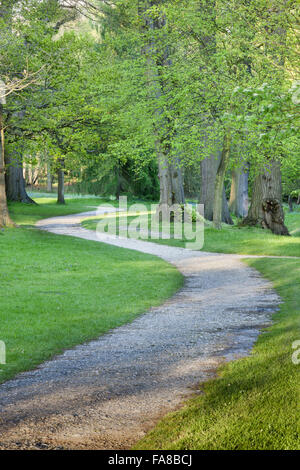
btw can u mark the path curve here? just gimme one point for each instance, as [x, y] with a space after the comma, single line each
[106, 394]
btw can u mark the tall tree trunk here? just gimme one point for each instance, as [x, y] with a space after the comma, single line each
[177, 182]
[14, 179]
[118, 185]
[219, 184]
[209, 167]
[5, 220]
[49, 177]
[238, 203]
[164, 181]
[61, 184]
[266, 204]
[171, 183]
[169, 170]
[15, 182]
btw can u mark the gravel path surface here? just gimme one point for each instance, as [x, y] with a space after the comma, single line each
[106, 394]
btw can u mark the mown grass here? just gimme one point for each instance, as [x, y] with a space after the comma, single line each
[28, 214]
[59, 291]
[254, 403]
[235, 239]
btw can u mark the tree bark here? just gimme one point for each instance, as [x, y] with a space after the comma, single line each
[164, 181]
[118, 182]
[238, 203]
[169, 170]
[49, 177]
[266, 204]
[219, 183]
[5, 220]
[209, 167]
[177, 182]
[15, 182]
[171, 184]
[61, 184]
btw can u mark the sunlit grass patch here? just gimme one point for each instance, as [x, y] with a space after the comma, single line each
[231, 239]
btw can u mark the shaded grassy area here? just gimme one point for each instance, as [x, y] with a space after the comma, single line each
[59, 291]
[242, 240]
[254, 404]
[28, 214]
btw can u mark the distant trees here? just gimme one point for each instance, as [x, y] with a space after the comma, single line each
[47, 89]
[156, 89]
[200, 70]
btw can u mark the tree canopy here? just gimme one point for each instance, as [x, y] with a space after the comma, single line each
[118, 91]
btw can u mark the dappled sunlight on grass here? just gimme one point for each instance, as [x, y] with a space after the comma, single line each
[231, 239]
[29, 214]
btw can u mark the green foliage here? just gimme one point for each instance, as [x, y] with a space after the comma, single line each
[102, 99]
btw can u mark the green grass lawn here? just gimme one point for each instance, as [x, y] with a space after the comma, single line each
[254, 403]
[59, 291]
[234, 239]
[28, 214]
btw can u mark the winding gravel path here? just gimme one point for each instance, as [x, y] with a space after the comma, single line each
[107, 393]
